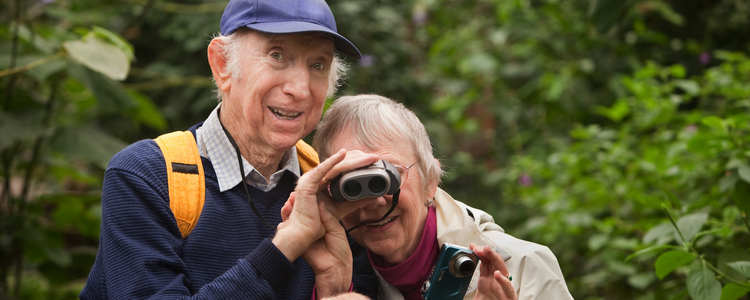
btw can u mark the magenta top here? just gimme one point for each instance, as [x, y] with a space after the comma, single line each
[409, 275]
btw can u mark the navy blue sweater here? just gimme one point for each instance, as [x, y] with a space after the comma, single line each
[229, 254]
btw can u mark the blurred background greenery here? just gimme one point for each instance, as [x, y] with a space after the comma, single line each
[613, 131]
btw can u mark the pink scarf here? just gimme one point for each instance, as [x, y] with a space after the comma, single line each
[409, 275]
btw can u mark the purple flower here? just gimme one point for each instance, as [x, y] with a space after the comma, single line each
[524, 180]
[704, 58]
[367, 61]
[45, 2]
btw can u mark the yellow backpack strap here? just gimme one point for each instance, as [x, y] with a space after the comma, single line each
[187, 186]
[308, 158]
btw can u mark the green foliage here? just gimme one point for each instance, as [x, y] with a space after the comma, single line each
[614, 132]
[64, 113]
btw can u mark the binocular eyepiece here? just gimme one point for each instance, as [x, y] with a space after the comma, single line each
[378, 179]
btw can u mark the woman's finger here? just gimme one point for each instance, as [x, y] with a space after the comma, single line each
[309, 183]
[288, 207]
[507, 288]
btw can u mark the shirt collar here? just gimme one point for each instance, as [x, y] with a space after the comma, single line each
[215, 145]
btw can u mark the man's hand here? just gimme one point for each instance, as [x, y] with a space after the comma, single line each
[330, 258]
[493, 276]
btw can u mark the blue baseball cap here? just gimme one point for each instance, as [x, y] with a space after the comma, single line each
[285, 16]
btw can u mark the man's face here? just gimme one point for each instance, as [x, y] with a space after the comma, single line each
[279, 96]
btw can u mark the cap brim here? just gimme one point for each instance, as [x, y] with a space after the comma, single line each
[339, 42]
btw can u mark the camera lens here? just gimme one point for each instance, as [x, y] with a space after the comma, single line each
[377, 185]
[465, 266]
[352, 188]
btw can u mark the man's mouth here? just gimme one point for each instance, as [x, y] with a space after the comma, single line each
[381, 223]
[284, 115]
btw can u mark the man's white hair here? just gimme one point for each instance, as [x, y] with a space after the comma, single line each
[234, 44]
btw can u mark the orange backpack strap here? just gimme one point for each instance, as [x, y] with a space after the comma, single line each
[308, 158]
[187, 186]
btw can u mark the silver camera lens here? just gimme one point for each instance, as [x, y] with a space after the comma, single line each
[462, 265]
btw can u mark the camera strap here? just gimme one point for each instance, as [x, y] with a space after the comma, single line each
[393, 206]
[242, 176]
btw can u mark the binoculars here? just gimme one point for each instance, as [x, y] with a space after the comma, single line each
[378, 179]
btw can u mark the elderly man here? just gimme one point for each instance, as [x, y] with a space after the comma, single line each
[274, 64]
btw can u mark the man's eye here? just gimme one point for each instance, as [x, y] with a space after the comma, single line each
[277, 56]
[318, 66]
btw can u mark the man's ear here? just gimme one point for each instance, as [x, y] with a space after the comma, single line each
[218, 64]
[432, 188]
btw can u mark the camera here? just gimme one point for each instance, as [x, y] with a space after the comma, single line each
[378, 179]
[451, 276]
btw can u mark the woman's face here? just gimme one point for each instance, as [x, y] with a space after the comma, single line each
[398, 236]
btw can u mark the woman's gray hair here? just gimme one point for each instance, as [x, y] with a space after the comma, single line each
[377, 121]
[234, 44]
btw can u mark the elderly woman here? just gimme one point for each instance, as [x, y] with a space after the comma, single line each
[403, 247]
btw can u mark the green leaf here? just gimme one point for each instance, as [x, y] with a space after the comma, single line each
[660, 234]
[110, 95]
[690, 224]
[741, 266]
[666, 12]
[702, 284]
[147, 112]
[18, 128]
[617, 112]
[690, 87]
[669, 261]
[744, 171]
[727, 183]
[741, 195]
[116, 40]
[478, 63]
[713, 122]
[100, 56]
[558, 86]
[677, 71]
[641, 281]
[733, 291]
[88, 144]
[647, 250]
[597, 241]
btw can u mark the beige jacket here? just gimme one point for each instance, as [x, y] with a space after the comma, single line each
[536, 272]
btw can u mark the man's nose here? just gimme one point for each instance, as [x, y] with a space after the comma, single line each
[298, 82]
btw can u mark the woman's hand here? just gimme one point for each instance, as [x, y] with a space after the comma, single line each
[494, 282]
[329, 256]
[301, 216]
[354, 159]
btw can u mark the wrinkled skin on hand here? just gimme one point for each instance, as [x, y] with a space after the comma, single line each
[493, 276]
[329, 255]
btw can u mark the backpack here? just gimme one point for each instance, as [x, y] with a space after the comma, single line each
[186, 181]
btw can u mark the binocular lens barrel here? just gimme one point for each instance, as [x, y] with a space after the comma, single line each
[377, 185]
[352, 188]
